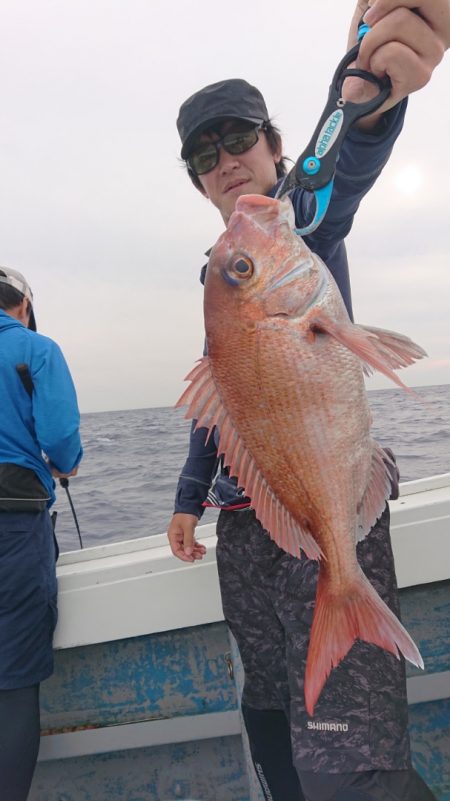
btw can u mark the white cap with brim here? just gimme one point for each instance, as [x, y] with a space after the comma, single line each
[17, 281]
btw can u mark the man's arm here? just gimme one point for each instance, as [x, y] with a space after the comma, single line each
[407, 41]
[55, 409]
[192, 489]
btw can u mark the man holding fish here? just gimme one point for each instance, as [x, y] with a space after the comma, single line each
[300, 475]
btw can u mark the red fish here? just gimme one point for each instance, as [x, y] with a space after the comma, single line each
[283, 382]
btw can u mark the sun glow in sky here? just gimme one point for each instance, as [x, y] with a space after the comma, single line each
[409, 179]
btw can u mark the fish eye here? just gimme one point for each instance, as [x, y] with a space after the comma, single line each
[243, 267]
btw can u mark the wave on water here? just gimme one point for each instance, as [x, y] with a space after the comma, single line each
[127, 479]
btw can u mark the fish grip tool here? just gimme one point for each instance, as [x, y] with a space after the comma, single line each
[315, 169]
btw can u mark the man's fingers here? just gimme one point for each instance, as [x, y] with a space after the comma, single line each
[436, 14]
[400, 64]
[57, 474]
[199, 550]
[410, 32]
[361, 8]
[193, 548]
[188, 539]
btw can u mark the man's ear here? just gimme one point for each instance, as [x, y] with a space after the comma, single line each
[21, 312]
[24, 311]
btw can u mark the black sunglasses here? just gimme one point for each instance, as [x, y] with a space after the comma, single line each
[206, 156]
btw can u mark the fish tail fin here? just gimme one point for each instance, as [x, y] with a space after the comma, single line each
[339, 621]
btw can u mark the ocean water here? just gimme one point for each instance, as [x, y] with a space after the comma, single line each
[127, 479]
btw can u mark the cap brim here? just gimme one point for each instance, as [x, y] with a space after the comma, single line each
[203, 126]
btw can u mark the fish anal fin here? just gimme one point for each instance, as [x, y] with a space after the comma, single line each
[377, 348]
[359, 614]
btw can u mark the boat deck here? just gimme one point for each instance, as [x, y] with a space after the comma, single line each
[147, 679]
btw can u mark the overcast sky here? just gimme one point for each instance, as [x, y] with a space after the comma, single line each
[96, 211]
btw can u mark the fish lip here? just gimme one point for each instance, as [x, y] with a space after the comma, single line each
[233, 184]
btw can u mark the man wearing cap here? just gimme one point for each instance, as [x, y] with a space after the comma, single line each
[356, 747]
[38, 415]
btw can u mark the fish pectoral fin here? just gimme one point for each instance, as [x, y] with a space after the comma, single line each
[377, 348]
[378, 490]
[205, 406]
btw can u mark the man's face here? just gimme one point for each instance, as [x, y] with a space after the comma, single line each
[252, 172]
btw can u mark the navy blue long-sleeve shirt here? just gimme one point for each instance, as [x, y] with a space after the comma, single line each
[362, 158]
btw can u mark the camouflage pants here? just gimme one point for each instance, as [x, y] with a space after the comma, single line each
[361, 719]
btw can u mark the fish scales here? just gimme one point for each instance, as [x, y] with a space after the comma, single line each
[311, 405]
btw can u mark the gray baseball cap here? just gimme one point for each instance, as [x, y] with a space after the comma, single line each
[17, 281]
[230, 99]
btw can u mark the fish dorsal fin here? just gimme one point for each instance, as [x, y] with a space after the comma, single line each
[378, 490]
[205, 405]
[377, 348]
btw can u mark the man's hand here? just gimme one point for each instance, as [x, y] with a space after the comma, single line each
[407, 41]
[56, 473]
[182, 540]
[436, 13]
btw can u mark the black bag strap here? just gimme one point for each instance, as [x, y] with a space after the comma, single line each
[25, 377]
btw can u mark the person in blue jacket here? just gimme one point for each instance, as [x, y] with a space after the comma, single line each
[39, 441]
[356, 747]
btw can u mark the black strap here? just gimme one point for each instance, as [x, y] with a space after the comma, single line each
[25, 377]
